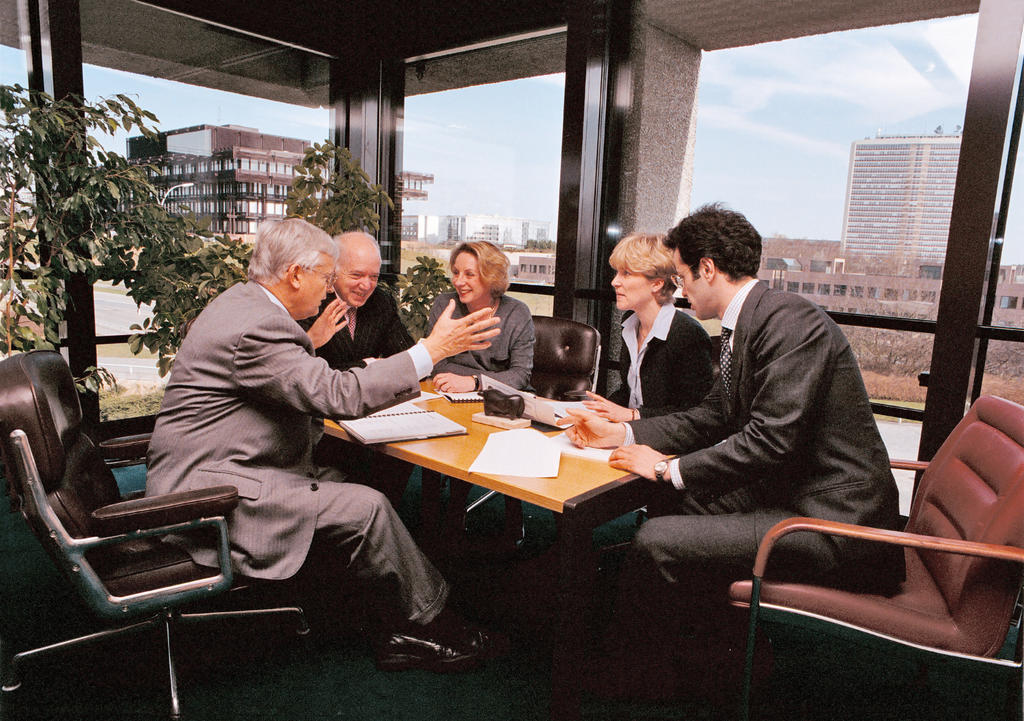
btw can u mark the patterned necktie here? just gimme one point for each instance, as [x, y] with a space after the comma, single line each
[725, 360]
[352, 322]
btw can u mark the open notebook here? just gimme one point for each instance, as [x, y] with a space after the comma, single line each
[405, 422]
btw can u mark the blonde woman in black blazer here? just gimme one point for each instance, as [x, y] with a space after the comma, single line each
[665, 364]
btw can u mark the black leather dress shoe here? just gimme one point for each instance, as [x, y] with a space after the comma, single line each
[441, 653]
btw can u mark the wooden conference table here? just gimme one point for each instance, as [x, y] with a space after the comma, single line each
[586, 493]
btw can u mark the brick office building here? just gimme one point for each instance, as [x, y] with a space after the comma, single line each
[239, 176]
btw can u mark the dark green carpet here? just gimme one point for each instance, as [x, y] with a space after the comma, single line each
[261, 670]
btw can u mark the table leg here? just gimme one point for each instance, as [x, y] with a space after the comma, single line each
[430, 508]
[577, 574]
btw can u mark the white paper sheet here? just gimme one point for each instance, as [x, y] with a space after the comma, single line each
[566, 446]
[518, 452]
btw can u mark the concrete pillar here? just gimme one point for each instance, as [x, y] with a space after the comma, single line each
[658, 140]
[657, 149]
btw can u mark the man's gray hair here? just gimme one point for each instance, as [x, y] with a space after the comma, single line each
[282, 243]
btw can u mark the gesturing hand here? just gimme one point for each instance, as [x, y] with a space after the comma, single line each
[636, 459]
[330, 322]
[606, 409]
[451, 336]
[589, 429]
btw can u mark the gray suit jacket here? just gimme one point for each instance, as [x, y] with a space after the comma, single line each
[242, 408]
[798, 423]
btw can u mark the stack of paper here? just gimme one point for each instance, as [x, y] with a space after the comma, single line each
[527, 452]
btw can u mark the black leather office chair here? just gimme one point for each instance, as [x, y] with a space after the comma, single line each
[565, 357]
[112, 551]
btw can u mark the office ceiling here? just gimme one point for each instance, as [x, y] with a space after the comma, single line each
[144, 39]
[719, 24]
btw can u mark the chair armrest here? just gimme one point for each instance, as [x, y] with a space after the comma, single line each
[164, 510]
[125, 448]
[901, 464]
[899, 538]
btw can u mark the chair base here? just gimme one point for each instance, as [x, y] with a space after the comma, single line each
[11, 673]
[926, 659]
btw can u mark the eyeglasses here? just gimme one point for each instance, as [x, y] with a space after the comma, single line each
[677, 280]
[328, 278]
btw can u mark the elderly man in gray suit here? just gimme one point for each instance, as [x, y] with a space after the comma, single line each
[241, 409]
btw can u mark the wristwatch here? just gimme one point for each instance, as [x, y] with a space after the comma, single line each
[661, 470]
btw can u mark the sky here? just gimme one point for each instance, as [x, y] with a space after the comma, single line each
[493, 149]
[774, 125]
[775, 121]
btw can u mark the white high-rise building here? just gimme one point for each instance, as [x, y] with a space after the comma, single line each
[501, 230]
[899, 195]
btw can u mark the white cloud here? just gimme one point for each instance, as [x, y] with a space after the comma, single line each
[870, 70]
[725, 117]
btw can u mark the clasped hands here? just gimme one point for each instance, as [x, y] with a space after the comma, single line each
[590, 429]
[453, 383]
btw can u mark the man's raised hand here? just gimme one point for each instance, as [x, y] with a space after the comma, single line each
[330, 322]
[451, 336]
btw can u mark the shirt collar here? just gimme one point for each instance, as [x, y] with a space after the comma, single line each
[732, 311]
[660, 328]
[273, 298]
[663, 321]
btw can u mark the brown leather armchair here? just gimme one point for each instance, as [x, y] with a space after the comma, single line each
[112, 551]
[963, 547]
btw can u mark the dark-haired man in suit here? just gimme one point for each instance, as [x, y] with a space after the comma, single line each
[787, 430]
[358, 327]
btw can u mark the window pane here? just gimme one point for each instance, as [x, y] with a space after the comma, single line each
[1009, 308]
[12, 59]
[890, 362]
[1004, 368]
[235, 114]
[482, 162]
[842, 150]
[538, 304]
[848, 175]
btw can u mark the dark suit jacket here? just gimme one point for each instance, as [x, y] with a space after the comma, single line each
[379, 333]
[675, 373]
[798, 423]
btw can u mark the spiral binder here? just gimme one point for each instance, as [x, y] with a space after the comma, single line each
[467, 397]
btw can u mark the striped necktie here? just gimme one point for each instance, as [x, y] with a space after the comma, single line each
[352, 322]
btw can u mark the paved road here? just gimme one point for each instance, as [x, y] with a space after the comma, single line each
[902, 440]
[115, 313]
[131, 369]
